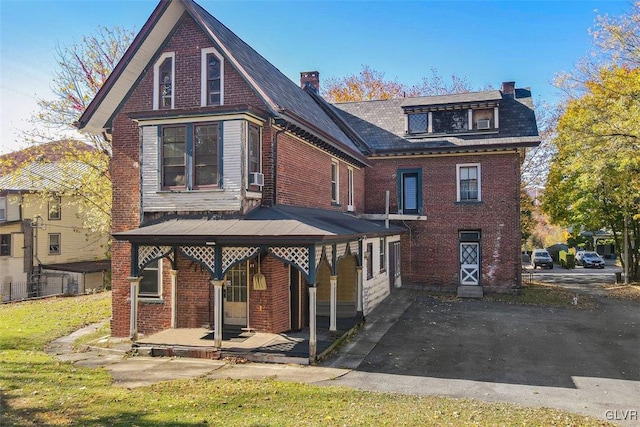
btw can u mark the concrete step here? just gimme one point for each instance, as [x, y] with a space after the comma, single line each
[470, 291]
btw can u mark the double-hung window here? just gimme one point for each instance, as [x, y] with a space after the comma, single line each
[54, 244]
[468, 180]
[212, 71]
[254, 158]
[164, 82]
[190, 156]
[383, 254]
[151, 283]
[335, 182]
[3, 208]
[450, 121]
[5, 244]
[55, 205]
[410, 191]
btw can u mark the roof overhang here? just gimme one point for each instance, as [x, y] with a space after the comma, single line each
[281, 225]
[81, 266]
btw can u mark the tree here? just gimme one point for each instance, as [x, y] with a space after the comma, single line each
[594, 178]
[82, 70]
[370, 84]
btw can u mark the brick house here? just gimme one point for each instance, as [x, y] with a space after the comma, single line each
[242, 198]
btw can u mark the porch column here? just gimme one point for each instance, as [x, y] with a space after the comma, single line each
[333, 303]
[313, 343]
[359, 295]
[217, 319]
[133, 315]
[174, 297]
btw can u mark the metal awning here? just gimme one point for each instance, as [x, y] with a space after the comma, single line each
[81, 266]
[264, 225]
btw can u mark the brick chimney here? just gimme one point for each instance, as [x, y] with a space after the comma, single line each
[310, 78]
[509, 89]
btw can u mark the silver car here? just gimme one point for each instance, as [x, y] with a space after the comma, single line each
[541, 258]
[592, 260]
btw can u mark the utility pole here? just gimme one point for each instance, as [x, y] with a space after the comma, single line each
[626, 249]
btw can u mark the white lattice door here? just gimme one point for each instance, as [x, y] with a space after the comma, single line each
[235, 302]
[469, 263]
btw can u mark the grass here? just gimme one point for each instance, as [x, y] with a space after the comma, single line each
[625, 292]
[538, 293]
[37, 389]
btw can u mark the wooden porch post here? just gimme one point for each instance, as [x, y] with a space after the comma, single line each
[333, 303]
[217, 318]
[133, 315]
[313, 343]
[174, 297]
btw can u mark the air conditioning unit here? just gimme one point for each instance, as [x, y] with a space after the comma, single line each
[256, 178]
[483, 124]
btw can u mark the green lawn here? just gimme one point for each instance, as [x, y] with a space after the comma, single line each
[37, 389]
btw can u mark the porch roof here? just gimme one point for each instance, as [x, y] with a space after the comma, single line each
[276, 225]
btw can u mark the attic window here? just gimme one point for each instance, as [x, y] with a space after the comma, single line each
[164, 86]
[417, 123]
[212, 72]
[450, 121]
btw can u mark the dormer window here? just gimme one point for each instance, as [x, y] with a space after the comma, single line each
[417, 123]
[164, 87]
[485, 119]
[212, 70]
[450, 121]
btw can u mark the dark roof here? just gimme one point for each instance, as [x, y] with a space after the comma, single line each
[382, 123]
[264, 225]
[284, 98]
[81, 266]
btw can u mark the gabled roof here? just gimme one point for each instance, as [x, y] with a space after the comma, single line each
[284, 98]
[382, 124]
[41, 167]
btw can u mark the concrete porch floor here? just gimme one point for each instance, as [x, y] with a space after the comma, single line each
[290, 347]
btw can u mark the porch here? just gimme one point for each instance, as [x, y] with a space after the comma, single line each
[289, 347]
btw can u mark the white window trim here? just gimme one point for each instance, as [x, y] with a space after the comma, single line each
[156, 81]
[247, 126]
[466, 165]
[59, 243]
[337, 165]
[203, 75]
[159, 294]
[3, 208]
[350, 196]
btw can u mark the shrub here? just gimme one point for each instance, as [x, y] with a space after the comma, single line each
[567, 260]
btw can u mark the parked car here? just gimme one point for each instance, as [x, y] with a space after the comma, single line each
[592, 260]
[541, 258]
[578, 256]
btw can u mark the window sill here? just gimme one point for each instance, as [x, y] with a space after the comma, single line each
[469, 202]
[198, 191]
[150, 300]
[253, 194]
[336, 204]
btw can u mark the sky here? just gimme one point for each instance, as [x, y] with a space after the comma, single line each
[485, 41]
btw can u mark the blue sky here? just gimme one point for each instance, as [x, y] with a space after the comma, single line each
[485, 41]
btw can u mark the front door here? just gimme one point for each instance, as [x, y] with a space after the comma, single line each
[235, 301]
[469, 263]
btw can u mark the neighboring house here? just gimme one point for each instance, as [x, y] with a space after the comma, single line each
[240, 198]
[44, 247]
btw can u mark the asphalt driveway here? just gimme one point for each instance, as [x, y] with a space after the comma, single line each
[504, 343]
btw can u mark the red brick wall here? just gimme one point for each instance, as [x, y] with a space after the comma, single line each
[195, 296]
[430, 251]
[155, 316]
[269, 309]
[187, 42]
[304, 177]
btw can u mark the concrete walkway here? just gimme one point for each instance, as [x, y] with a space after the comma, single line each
[604, 398]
